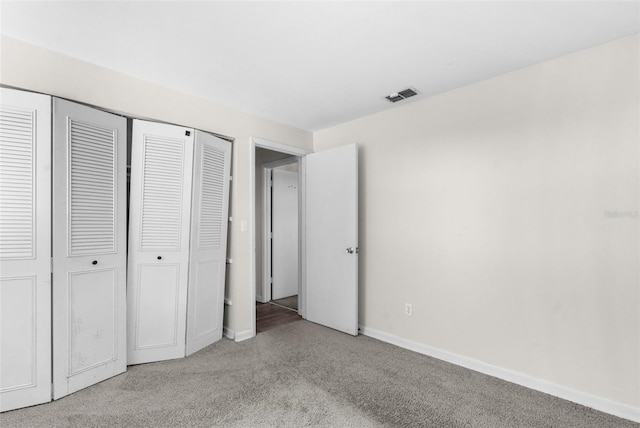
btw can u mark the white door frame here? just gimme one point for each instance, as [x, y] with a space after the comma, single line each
[300, 153]
[267, 168]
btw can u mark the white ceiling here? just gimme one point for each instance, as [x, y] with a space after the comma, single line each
[316, 64]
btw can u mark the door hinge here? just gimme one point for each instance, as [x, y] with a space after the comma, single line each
[51, 269]
[271, 280]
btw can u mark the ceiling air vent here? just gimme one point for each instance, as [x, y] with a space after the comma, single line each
[401, 95]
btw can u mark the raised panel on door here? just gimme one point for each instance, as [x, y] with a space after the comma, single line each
[332, 238]
[89, 246]
[158, 296]
[212, 166]
[25, 249]
[159, 220]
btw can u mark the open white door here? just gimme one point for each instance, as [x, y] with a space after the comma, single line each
[208, 255]
[89, 246]
[159, 217]
[284, 219]
[25, 249]
[332, 238]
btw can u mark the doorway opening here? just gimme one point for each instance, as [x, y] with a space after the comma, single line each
[280, 236]
[327, 233]
[267, 157]
[277, 238]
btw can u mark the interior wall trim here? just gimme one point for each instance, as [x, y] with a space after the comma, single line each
[598, 403]
[228, 333]
[244, 335]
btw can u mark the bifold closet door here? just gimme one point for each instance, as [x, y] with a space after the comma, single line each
[207, 259]
[25, 249]
[159, 219]
[89, 246]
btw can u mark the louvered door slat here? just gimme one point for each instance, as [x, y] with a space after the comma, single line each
[17, 159]
[17, 129]
[11, 115]
[162, 193]
[211, 211]
[92, 160]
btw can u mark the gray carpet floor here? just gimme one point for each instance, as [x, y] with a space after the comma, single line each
[302, 374]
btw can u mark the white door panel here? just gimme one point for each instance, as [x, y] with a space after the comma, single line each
[212, 166]
[284, 253]
[25, 249]
[159, 220]
[332, 238]
[89, 246]
[158, 297]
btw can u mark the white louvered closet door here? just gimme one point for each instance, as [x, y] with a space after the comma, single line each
[25, 249]
[209, 220]
[89, 246]
[159, 217]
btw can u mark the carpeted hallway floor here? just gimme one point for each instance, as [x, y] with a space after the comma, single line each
[302, 374]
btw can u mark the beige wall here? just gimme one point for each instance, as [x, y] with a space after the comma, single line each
[32, 68]
[487, 208]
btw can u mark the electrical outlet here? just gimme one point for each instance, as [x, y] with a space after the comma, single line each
[408, 309]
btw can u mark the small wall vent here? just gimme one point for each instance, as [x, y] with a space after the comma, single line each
[401, 95]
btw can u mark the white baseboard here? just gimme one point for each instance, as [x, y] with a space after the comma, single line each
[228, 332]
[244, 335]
[237, 336]
[602, 404]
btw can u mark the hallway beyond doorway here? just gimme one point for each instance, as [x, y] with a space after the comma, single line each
[269, 316]
[290, 302]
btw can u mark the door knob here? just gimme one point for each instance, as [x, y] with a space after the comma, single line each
[95, 262]
[159, 257]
